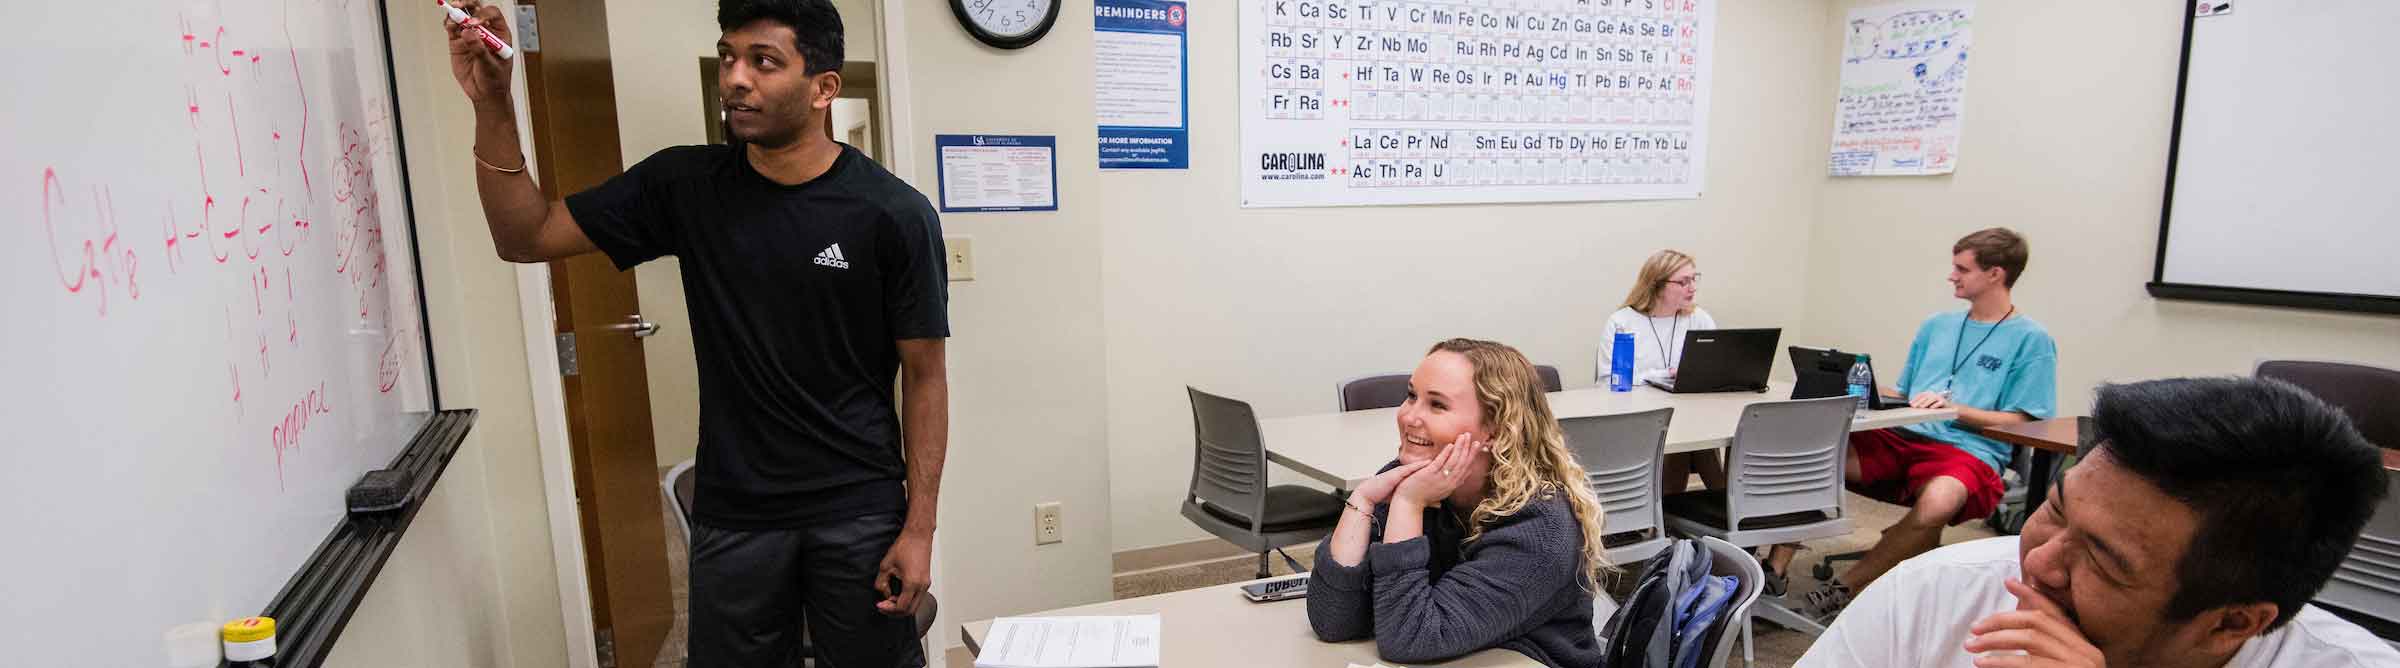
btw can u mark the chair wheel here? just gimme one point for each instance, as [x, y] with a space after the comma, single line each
[1823, 571]
[2007, 521]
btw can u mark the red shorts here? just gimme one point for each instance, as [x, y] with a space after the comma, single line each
[1896, 464]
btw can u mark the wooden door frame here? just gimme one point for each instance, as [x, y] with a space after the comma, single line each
[539, 316]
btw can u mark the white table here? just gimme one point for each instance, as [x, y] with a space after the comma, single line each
[1344, 449]
[1215, 626]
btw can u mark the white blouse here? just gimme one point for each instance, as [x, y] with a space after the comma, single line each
[1657, 342]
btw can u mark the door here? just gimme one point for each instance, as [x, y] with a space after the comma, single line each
[573, 100]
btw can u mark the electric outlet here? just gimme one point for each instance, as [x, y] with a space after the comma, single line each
[1047, 528]
[961, 250]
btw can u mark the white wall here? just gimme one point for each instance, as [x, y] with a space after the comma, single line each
[852, 115]
[2068, 146]
[1276, 306]
[1027, 381]
[472, 582]
[861, 36]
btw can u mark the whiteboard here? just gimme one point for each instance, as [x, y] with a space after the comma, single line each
[215, 323]
[2281, 176]
[1361, 102]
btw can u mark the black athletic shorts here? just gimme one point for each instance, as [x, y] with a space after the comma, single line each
[753, 590]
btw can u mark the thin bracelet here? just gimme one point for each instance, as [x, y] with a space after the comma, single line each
[1372, 520]
[479, 160]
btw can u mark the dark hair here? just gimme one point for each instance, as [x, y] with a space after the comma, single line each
[2282, 483]
[1997, 247]
[816, 27]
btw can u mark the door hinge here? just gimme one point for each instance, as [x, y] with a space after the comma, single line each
[566, 354]
[608, 648]
[529, 30]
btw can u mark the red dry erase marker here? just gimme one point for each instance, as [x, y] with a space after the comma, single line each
[459, 17]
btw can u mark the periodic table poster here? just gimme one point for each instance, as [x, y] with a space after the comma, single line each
[1368, 102]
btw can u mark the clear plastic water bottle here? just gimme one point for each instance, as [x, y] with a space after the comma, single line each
[1862, 383]
[1620, 361]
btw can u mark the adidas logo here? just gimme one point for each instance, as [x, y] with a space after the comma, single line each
[832, 257]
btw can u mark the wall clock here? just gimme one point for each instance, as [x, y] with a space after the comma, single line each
[1006, 24]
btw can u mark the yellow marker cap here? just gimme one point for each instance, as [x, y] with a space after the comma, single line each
[250, 629]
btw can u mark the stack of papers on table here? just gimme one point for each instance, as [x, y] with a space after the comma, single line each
[1071, 642]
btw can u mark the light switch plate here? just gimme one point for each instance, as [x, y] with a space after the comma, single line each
[961, 251]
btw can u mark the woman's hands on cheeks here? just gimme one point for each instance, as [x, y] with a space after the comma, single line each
[1441, 475]
[1378, 489]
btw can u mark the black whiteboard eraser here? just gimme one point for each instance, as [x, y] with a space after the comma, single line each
[379, 490]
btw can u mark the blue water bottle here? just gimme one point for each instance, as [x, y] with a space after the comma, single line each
[1620, 362]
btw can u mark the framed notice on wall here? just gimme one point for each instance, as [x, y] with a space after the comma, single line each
[987, 173]
[1363, 102]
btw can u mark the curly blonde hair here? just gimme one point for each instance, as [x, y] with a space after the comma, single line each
[1529, 453]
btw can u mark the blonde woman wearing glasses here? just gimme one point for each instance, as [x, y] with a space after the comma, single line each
[1660, 308]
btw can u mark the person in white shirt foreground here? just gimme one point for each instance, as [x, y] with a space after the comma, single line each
[2194, 535]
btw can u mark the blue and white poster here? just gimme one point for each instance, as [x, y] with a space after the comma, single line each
[1141, 84]
[1903, 98]
[981, 173]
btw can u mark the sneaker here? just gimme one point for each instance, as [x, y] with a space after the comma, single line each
[1774, 584]
[1827, 602]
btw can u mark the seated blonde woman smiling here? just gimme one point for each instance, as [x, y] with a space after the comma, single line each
[1480, 534]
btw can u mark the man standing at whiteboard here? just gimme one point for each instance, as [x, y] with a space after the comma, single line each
[814, 276]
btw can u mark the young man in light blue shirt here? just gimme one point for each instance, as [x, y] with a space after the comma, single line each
[1992, 364]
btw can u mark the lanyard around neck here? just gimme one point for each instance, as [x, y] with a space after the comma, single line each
[1675, 329]
[1961, 361]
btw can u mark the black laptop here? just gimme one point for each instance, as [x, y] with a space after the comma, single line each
[1819, 372]
[1723, 360]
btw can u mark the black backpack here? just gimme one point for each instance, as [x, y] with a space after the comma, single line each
[1642, 632]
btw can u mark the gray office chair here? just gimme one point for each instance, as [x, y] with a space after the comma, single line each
[678, 488]
[1229, 496]
[2008, 518]
[1372, 392]
[1369, 392]
[1783, 485]
[2368, 581]
[1549, 376]
[1388, 390]
[678, 485]
[1725, 560]
[1621, 454]
[1729, 559]
[2364, 392]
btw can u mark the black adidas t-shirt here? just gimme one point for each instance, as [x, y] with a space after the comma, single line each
[797, 296]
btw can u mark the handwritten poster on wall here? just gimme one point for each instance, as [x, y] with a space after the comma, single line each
[1904, 89]
[1365, 102]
